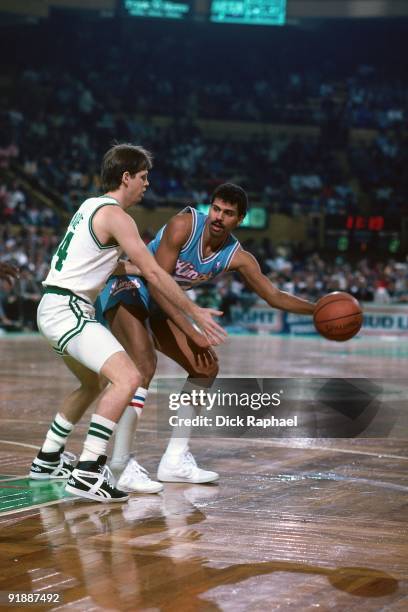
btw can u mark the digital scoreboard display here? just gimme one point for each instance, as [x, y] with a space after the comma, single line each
[252, 12]
[363, 234]
[162, 9]
[256, 218]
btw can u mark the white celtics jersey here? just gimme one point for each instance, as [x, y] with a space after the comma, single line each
[81, 263]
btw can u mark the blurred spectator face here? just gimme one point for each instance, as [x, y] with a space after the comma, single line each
[223, 218]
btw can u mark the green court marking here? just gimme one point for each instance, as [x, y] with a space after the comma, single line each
[24, 493]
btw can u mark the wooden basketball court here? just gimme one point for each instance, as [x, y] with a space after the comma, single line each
[294, 524]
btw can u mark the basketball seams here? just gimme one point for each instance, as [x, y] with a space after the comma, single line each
[338, 323]
[340, 299]
[352, 314]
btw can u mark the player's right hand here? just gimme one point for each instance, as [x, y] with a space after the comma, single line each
[213, 330]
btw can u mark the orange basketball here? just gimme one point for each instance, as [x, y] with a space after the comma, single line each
[338, 316]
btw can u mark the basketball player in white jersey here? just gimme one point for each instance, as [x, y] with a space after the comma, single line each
[88, 254]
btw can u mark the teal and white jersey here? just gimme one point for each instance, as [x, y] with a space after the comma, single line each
[192, 268]
[81, 263]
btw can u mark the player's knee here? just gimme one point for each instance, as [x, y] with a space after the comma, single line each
[134, 380]
[213, 370]
[128, 378]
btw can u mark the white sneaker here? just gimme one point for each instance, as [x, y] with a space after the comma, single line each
[135, 479]
[183, 468]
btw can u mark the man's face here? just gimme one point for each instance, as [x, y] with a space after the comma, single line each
[223, 218]
[137, 185]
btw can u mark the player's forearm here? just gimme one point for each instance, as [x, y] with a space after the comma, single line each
[290, 303]
[170, 291]
[126, 268]
[182, 322]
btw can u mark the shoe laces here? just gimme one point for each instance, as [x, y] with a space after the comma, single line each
[108, 476]
[188, 458]
[137, 470]
[66, 457]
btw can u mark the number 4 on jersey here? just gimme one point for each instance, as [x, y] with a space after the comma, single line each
[63, 250]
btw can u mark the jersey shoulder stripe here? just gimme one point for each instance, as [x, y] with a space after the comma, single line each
[91, 231]
[232, 253]
[193, 228]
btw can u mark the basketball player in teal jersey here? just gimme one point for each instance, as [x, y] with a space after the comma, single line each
[97, 235]
[194, 248]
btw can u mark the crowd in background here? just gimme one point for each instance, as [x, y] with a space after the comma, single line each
[293, 75]
[60, 111]
[31, 244]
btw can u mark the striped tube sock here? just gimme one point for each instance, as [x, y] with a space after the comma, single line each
[138, 400]
[57, 434]
[126, 430]
[96, 442]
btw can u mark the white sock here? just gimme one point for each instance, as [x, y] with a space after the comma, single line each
[57, 434]
[126, 430]
[180, 437]
[96, 442]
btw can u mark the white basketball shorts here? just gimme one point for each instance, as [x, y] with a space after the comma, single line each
[69, 325]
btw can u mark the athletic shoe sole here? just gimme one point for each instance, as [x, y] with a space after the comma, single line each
[98, 498]
[35, 476]
[128, 489]
[202, 480]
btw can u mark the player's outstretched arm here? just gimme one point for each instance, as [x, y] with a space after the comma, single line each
[114, 222]
[249, 269]
[7, 271]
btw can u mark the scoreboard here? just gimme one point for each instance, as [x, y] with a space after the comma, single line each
[363, 234]
[162, 9]
[251, 12]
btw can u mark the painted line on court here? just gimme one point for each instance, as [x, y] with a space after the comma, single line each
[37, 506]
[25, 421]
[378, 454]
[266, 442]
[24, 493]
[36, 447]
